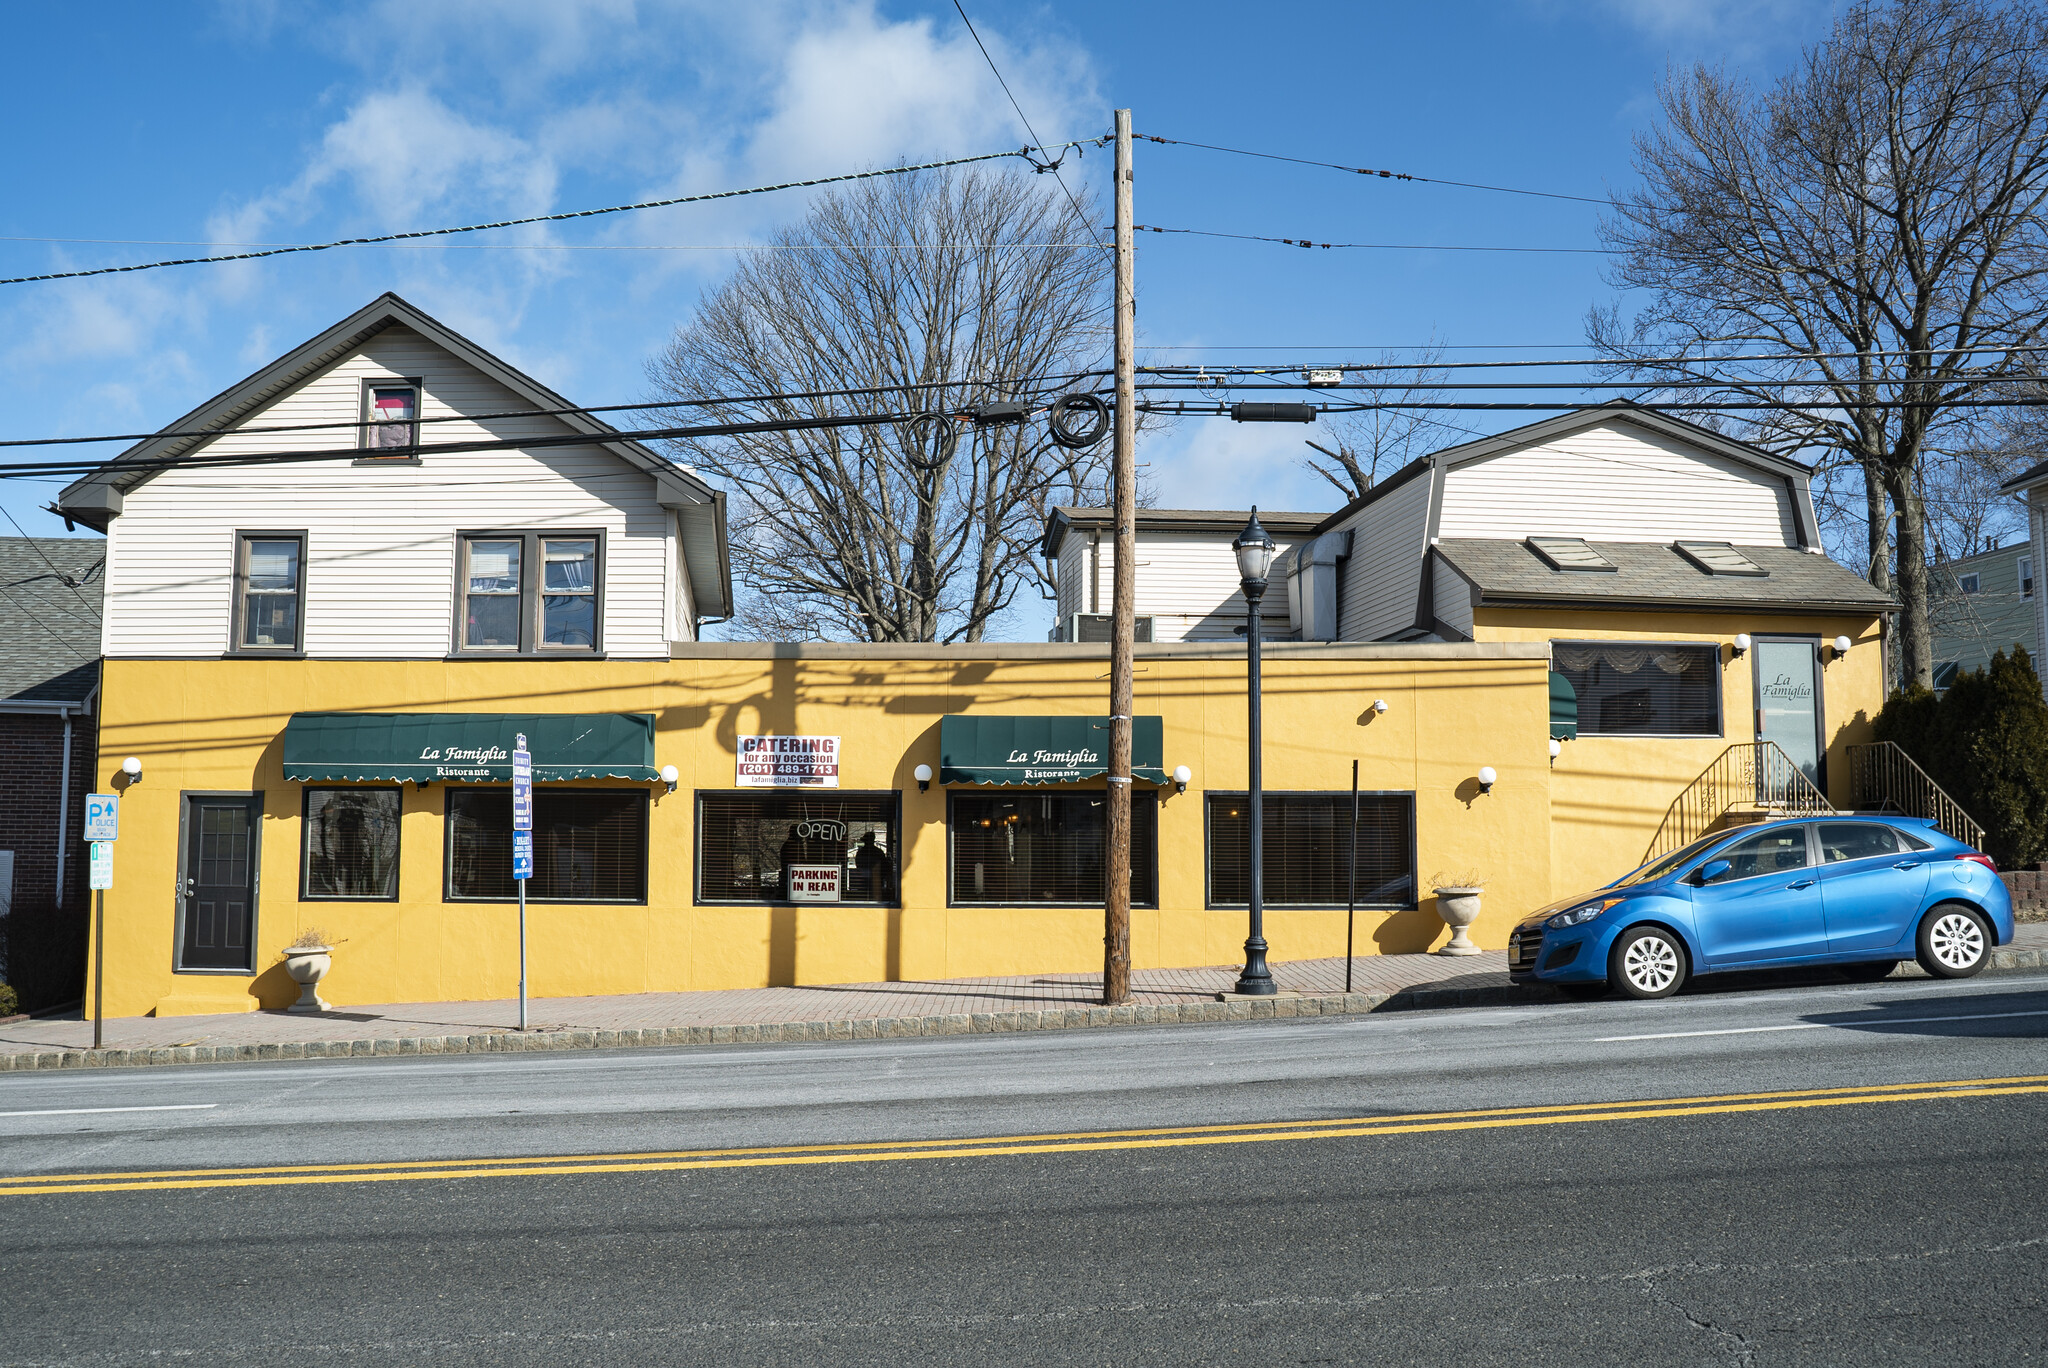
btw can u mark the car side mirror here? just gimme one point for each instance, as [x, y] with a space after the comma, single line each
[1712, 870]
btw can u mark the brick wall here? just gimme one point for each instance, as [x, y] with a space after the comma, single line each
[2029, 888]
[45, 943]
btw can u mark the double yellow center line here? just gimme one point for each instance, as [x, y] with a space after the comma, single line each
[1073, 1142]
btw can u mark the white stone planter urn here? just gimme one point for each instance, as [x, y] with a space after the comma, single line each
[308, 964]
[1459, 907]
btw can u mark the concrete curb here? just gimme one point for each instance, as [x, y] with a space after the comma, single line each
[855, 1028]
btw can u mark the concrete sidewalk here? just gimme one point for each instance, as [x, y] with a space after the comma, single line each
[848, 1011]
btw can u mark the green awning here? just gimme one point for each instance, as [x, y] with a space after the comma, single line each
[1564, 709]
[468, 748]
[1042, 750]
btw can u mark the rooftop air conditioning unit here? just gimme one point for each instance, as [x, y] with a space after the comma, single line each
[1096, 627]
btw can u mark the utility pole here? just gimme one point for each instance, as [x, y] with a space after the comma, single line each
[1116, 913]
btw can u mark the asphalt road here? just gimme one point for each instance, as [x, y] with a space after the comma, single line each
[1412, 1188]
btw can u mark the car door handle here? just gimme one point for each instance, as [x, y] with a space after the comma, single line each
[1803, 883]
[1907, 864]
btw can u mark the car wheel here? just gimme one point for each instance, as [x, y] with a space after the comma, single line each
[1583, 992]
[1868, 971]
[1647, 962]
[1954, 942]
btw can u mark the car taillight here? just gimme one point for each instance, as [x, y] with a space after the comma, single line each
[1984, 860]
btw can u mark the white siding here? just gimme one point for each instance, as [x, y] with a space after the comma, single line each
[380, 538]
[1383, 577]
[1617, 482]
[1188, 583]
[1451, 598]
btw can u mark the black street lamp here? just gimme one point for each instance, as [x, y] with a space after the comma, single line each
[1254, 549]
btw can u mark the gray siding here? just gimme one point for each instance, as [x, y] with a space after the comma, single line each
[1383, 577]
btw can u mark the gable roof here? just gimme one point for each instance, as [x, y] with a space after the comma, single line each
[1651, 575]
[95, 499]
[49, 618]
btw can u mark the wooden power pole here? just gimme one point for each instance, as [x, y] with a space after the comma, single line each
[1116, 914]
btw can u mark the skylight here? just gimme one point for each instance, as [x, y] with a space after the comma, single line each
[1719, 558]
[1569, 553]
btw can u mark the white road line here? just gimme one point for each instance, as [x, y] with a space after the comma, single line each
[1819, 1026]
[95, 1111]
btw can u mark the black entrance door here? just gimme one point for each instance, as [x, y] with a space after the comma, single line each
[220, 882]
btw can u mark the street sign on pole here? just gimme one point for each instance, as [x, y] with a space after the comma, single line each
[102, 867]
[102, 817]
[522, 855]
[522, 786]
[522, 849]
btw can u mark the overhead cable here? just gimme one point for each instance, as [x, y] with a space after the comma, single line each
[1376, 246]
[535, 218]
[1370, 171]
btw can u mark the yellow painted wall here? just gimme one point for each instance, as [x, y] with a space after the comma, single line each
[215, 725]
[1610, 793]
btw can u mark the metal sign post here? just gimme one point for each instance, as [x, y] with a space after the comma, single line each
[1351, 908]
[522, 849]
[102, 826]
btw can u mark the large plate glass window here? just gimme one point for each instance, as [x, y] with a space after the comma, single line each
[1020, 847]
[1643, 688]
[589, 845]
[746, 840]
[529, 593]
[269, 588]
[1308, 849]
[391, 416]
[349, 845]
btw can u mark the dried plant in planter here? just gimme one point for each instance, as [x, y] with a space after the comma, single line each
[313, 937]
[1456, 878]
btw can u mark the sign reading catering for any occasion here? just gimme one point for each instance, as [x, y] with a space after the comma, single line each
[788, 762]
[811, 883]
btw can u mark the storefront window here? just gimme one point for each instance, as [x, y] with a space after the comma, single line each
[1632, 688]
[589, 845]
[842, 848]
[1308, 849]
[1023, 847]
[350, 846]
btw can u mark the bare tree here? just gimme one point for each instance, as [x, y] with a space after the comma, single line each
[1378, 441]
[970, 285]
[1878, 212]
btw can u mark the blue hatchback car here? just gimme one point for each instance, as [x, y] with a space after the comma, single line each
[1858, 892]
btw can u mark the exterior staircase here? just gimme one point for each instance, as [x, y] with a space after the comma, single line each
[1751, 781]
[1884, 778]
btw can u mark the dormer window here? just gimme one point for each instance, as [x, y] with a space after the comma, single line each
[391, 416]
[1719, 558]
[1569, 553]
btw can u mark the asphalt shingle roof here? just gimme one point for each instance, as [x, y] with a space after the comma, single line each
[1654, 574]
[50, 629]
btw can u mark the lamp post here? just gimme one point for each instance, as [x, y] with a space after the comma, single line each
[1254, 550]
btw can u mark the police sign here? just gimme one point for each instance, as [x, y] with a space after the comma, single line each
[102, 816]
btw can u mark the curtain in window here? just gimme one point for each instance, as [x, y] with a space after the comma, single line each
[1627, 689]
[351, 843]
[589, 845]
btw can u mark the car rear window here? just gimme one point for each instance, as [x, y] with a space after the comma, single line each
[1856, 841]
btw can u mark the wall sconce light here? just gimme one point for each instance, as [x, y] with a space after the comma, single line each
[1181, 777]
[1379, 705]
[1487, 778]
[923, 775]
[1741, 647]
[671, 777]
[1556, 748]
[1842, 645]
[132, 769]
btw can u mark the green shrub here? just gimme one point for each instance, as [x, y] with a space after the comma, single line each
[1985, 742]
[10, 1004]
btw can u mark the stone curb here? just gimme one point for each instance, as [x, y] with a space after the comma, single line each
[856, 1028]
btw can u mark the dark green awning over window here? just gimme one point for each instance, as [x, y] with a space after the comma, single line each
[1564, 709]
[1041, 750]
[468, 748]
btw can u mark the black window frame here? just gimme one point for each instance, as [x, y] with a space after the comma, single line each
[238, 613]
[1971, 583]
[1711, 652]
[955, 796]
[1341, 800]
[892, 798]
[532, 594]
[408, 453]
[306, 893]
[542, 793]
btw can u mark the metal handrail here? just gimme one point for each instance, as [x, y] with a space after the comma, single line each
[1750, 773]
[1884, 778]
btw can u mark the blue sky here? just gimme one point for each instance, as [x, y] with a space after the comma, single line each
[245, 121]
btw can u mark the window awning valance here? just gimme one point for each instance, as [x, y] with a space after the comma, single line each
[1042, 750]
[1564, 709]
[467, 748]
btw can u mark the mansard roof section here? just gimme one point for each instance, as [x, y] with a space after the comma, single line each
[1646, 575]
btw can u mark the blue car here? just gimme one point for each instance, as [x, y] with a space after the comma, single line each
[1858, 892]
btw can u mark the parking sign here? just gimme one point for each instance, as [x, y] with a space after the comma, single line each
[102, 866]
[522, 854]
[102, 816]
[522, 786]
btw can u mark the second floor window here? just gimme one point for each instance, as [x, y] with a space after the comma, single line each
[1968, 583]
[530, 593]
[2026, 576]
[269, 580]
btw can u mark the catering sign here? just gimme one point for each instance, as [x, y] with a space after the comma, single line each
[788, 762]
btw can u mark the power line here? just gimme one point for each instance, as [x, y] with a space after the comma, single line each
[1376, 246]
[1369, 171]
[536, 218]
[587, 246]
[1598, 361]
[44, 556]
